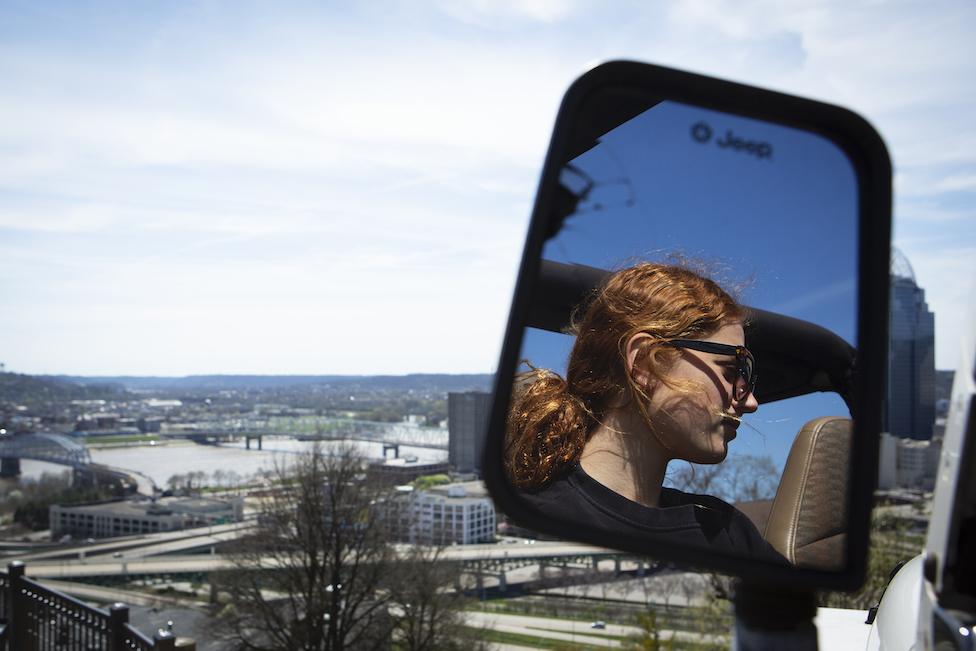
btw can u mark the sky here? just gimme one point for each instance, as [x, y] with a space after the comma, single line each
[326, 188]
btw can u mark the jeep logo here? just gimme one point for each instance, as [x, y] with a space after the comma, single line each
[702, 133]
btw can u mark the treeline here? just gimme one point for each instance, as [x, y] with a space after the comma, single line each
[31, 501]
[36, 391]
[416, 382]
[392, 410]
[197, 480]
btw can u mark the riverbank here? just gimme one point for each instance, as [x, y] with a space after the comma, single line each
[98, 444]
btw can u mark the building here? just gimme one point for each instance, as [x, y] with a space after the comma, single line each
[943, 395]
[403, 470]
[128, 517]
[453, 514]
[908, 463]
[888, 462]
[467, 421]
[911, 356]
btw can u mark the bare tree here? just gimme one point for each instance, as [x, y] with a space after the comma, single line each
[234, 480]
[428, 611]
[312, 577]
[740, 478]
[175, 482]
[751, 478]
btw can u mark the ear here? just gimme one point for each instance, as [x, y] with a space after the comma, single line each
[634, 345]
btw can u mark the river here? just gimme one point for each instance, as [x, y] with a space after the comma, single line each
[160, 462]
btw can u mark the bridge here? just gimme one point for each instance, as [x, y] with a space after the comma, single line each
[194, 551]
[330, 430]
[99, 566]
[52, 448]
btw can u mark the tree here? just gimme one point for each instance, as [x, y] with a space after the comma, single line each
[741, 478]
[175, 482]
[891, 545]
[312, 577]
[234, 480]
[428, 612]
[649, 638]
[34, 500]
[195, 480]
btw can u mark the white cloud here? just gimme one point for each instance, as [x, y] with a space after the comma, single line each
[327, 162]
[501, 13]
[957, 183]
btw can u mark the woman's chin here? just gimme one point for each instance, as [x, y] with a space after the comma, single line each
[713, 456]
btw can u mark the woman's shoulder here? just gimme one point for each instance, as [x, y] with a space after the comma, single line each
[739, 527]
[560, 497]
[675, 497]
[715, 508]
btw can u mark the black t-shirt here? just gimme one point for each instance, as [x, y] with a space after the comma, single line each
[681, 518]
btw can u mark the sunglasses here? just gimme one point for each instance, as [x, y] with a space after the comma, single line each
[745, 371]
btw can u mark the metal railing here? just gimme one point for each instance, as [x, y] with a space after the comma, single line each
[36, 618]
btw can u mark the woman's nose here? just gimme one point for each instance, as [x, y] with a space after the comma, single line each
[749, 405]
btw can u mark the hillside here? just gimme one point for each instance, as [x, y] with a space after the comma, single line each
[416, 381]
[35, 390]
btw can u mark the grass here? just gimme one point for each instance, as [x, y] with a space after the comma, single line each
[130, 438]
[585, 634]
[587, 622]
[488, 635]
[673, 617]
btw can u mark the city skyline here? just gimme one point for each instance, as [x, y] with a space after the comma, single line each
[910, 404]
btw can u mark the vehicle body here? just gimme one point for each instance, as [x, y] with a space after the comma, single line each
[930, 602]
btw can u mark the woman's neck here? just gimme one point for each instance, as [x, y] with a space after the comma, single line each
[623, 455]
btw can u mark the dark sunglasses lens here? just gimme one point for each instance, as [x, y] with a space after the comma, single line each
[745, 382]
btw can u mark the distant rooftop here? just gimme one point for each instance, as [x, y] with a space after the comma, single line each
[407, 461]
[189, 505]
[901, 267]
[466, 488]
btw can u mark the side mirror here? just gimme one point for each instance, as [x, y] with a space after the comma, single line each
[622, 359]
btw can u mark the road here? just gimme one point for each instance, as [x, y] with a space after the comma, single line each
[141, 541]
[98, 594]
[572, 631]
[175, 553]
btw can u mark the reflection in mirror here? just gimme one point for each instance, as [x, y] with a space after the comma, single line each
[691, 337]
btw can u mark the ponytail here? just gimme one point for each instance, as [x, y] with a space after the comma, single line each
[546, 429]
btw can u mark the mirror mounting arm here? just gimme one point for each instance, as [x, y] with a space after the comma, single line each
[767, 618]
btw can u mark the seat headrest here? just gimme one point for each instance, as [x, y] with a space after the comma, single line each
[808, 519]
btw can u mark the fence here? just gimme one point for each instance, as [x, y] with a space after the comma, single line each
[35, 618]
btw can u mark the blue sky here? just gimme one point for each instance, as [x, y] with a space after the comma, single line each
[781, 229]
[307, 188]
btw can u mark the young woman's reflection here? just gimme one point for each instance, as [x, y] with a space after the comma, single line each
[658, 372]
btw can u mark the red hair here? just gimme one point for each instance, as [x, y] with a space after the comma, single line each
[551, 419]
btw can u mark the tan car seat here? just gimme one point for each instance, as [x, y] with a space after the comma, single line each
[808, 518]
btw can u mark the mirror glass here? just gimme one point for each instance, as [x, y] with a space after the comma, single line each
[770, 213]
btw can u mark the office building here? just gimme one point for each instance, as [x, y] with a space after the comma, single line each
[911, 357]
[453, 514]
[888, 462]
[907, 463]
[129, 517]
[403, 470]
[467, 415]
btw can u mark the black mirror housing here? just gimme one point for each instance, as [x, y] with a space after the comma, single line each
[618, 95]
